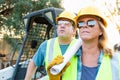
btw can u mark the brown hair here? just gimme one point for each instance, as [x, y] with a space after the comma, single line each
[103, 39]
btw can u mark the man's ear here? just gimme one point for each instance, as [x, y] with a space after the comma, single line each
[74, 32]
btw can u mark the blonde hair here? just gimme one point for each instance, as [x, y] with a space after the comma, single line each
[103, 39]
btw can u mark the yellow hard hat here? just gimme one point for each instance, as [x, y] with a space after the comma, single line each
[68, 15]
[92, 10]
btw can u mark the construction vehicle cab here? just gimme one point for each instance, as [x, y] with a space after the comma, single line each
[39, 26]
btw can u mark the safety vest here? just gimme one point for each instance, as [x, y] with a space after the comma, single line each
[109, 68]
[53, 49]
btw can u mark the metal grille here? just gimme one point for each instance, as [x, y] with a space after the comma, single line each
[36, 35]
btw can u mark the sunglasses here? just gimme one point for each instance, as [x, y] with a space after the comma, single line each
[66, 23]
[90, 23]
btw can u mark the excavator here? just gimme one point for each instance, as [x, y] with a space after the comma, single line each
[39, 26]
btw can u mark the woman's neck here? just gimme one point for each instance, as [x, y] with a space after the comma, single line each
[91, 48]
[90, 54]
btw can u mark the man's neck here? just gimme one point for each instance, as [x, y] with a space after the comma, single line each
[64, 40]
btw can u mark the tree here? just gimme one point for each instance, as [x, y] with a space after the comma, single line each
[12, 12]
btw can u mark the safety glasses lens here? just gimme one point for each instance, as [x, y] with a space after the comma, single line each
[81, 24]
[66, 23]
[90, 23]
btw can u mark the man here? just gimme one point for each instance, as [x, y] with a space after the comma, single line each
[66, 30]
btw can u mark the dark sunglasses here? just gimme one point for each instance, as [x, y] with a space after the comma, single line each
[90, 23]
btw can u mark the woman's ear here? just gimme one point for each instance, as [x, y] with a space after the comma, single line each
[100, 33]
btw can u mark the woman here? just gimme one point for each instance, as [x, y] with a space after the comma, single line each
[96, 60]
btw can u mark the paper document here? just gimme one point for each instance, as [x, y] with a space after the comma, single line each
[67, 56]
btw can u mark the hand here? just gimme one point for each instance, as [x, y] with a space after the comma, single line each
[56, 61]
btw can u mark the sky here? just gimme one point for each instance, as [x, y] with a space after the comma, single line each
[75, 5]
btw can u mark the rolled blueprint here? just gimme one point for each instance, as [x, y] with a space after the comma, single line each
[67, 56]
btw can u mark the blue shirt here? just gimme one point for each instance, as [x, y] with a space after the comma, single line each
[39, 57]
[88, 73]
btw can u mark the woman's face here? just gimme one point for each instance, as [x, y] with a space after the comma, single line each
[89, 28]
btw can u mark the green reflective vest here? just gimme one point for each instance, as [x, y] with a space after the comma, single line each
[109, 68]
[71, 72]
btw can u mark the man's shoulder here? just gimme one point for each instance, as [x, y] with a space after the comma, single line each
[52, 39]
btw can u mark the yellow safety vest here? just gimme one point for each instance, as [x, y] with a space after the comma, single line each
[109, 68]
[71, 72]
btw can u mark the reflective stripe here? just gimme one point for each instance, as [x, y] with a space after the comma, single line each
[51, 49]
[115, 67]
[119, 65]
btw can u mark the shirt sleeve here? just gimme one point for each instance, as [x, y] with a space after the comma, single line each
[39, 56]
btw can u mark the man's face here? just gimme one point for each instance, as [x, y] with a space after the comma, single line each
[65, 28]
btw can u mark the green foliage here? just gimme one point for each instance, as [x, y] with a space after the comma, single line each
[12, 41]
[12, 12]
[1, 1]
[53, 3]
